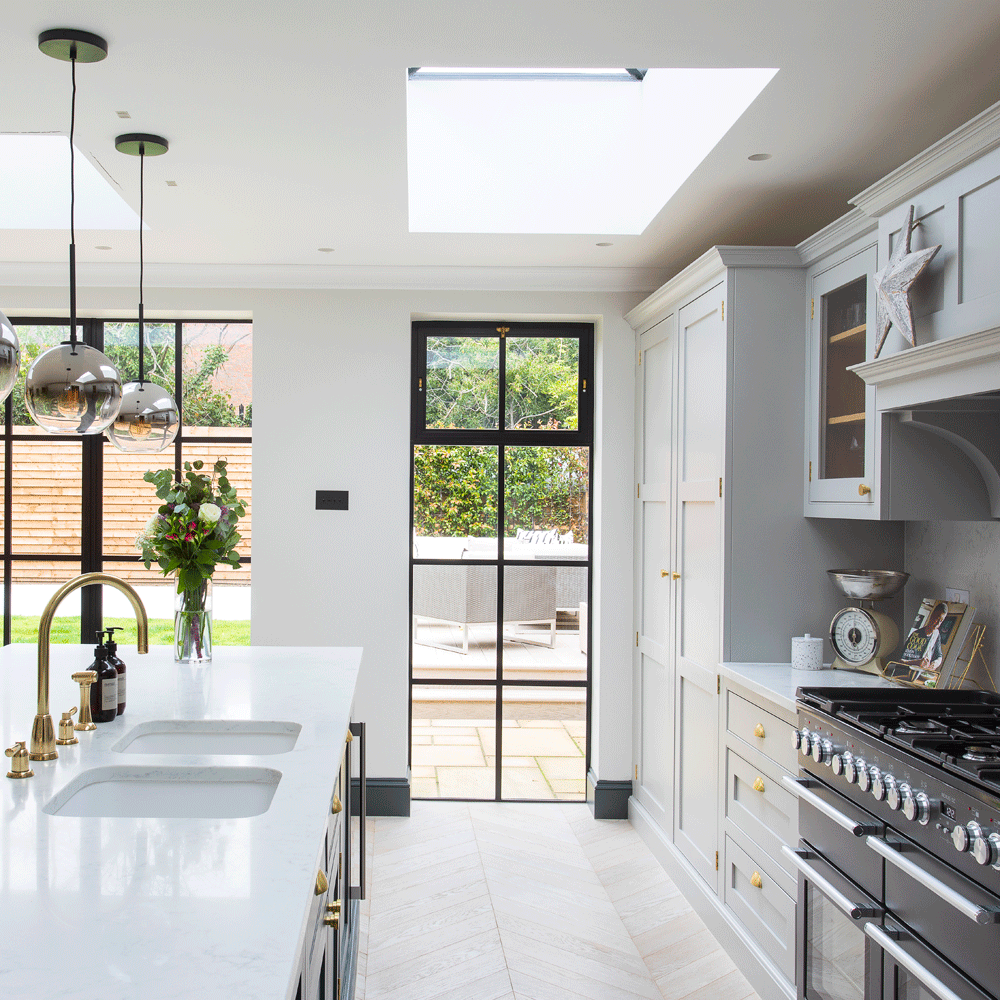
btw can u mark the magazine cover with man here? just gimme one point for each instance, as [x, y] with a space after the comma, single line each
[932, 644]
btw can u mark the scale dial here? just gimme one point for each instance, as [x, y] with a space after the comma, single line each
[855, 635]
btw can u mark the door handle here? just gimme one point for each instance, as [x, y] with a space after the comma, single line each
[854, 910]
[908, 962]
[800, 787]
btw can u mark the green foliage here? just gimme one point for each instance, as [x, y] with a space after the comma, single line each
[204, 405]
[24, 628]
[455, 490]
[463, 382]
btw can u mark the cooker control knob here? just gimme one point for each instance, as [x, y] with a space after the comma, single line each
[908, 801]
[850, 768]
[797, 738]
[878, 783]
[805, 741]
[984, 849]
[994, 839]
[822, 750]
[960, 837]
[923, 809]
[837, 763]
[864, 778]
[892, 796]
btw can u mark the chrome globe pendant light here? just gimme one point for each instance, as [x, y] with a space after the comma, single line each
[10, 357]
[148, 420]
[72, 388]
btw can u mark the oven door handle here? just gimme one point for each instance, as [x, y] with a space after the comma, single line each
[980, 914]
[847, 906]
[800, 787]
[908, 962]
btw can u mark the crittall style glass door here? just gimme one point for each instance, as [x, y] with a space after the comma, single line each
[502, 429]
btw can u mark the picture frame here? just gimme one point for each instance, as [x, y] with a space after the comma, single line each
[931, 648]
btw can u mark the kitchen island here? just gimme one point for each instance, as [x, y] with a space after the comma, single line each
[149, 908]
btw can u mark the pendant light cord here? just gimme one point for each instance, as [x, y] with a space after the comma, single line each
[72, 207]
[142, 197]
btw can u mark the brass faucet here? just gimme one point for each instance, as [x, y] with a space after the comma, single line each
[43, 735]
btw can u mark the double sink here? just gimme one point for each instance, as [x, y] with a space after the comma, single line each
[167, 791]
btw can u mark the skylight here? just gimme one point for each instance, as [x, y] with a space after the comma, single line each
[561, 151]
[34, 178]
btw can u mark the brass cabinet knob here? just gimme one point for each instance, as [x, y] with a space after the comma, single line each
[758, 784]
[332, 916]
[758, 731]
[663, 572]
[756, 881]
[675, 576]
[321, 883]
[863, 490]
[336, 805]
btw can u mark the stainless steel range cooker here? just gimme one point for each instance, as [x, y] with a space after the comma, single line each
[899, 857]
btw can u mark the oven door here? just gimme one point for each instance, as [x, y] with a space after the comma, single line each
[834, 958]
[912, 971]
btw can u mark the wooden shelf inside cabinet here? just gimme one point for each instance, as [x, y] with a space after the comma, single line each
[847, 418]
[846, 334]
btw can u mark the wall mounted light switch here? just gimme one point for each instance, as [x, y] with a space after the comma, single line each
[331, 499]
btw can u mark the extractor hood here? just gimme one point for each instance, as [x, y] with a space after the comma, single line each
[950, 388]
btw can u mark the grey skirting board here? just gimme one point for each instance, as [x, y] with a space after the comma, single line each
[608, 799]
[386, 796]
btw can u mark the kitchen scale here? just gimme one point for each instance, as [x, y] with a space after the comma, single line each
[863, 637]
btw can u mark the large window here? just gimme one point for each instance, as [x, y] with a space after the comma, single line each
[74, 504]
[500, 569]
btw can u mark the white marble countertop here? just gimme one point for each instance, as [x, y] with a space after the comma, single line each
[149, 909]
[778, 682]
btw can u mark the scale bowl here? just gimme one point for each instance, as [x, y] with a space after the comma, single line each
[868, 584]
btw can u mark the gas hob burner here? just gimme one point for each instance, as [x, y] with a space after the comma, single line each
[979, 753]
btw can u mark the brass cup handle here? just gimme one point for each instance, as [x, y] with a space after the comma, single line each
[863, 490]
[758, 784]
[756, 881]
[332, 916]
[758, 731]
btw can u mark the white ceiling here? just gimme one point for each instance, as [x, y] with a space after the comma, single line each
[288, 132]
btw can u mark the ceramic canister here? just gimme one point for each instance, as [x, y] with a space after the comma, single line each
[807, 652]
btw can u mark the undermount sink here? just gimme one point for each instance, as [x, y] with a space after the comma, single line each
[167, 792]
[210, 736]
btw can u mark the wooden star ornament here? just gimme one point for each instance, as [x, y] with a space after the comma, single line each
[893, 283]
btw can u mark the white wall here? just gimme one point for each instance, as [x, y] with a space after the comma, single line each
[331, 411]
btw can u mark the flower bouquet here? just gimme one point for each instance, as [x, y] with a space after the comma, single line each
[191, 533]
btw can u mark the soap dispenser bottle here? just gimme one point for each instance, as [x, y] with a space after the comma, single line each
[104, 691]
[116, 662]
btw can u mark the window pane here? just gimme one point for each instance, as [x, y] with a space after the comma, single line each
[544, 743]
[128, 501]
[121, 345]
[546, 502]
[35, 340]
[542, 383]
[454, 621]
[46, 503]
[454, 742]
[454, 501]
[462, 388]
[32, 584]
[217, 375]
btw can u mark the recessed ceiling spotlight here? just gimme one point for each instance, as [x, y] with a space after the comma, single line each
[757, 157]
[123, 114]
[102, 248]
[171, 184]
[325, 249]
[604, 244]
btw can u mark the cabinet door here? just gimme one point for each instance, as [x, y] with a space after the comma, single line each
[697, 604]
[842, 421]
[655, 564]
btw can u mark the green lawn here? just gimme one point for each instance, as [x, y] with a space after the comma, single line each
[161, 631]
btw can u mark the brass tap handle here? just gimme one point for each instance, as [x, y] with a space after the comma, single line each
[21, 765]
[85, 678]
[66, 734]
[758, 731]
[332, 916]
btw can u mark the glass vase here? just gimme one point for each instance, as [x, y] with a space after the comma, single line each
[193, 624]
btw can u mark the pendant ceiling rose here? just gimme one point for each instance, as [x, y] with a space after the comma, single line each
[141, 144]
[71, 43]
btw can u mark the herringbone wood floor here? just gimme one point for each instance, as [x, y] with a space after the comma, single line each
[517, 901]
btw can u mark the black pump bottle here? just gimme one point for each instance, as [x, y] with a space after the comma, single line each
[104, 691]
[117, 663]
